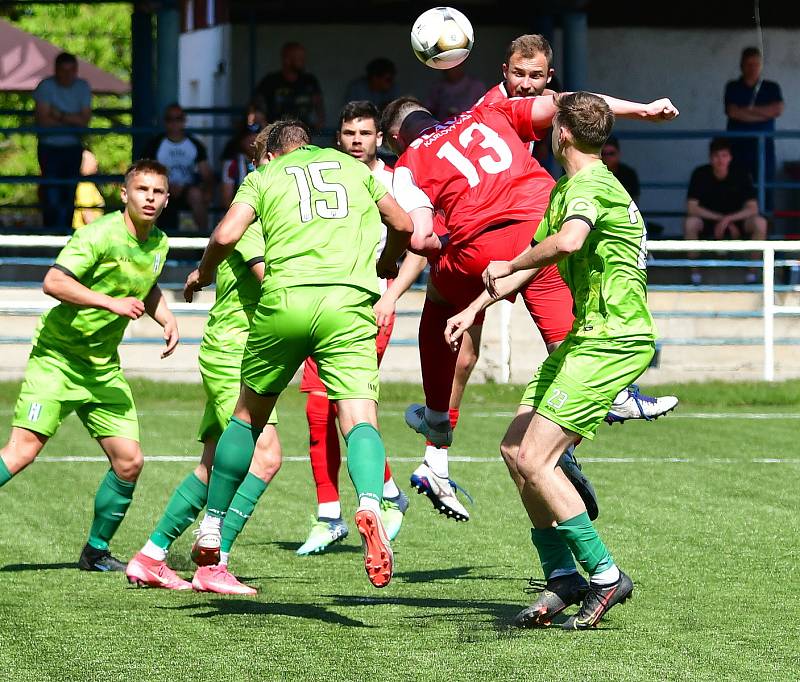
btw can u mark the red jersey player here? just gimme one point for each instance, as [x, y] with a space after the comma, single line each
[358, 135]
[476, 169]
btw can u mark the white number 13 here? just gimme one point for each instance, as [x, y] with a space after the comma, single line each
[491, 141]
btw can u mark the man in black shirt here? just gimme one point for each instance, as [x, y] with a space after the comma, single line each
[721, 203]
[291, 92]
[610, 154]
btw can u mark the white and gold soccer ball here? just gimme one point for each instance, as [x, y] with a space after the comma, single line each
[442, 37]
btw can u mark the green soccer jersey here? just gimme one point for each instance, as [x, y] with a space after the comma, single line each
[237, 295]
[321, 224]
[106, 258]
[607, 275]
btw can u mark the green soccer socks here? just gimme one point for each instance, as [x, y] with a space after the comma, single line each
[110, 504]
[585, 544]
[554, 553]
[240, 510]
[231, 463]
[366, 460]
[5, 474]
[182, 510]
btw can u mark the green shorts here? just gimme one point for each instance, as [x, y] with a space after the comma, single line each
[54, 387]
[333, 324]
[576, 384]
[222, 382]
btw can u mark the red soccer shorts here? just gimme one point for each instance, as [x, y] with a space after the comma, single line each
[457, 277]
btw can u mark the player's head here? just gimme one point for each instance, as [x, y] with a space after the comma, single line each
[283, 137]
[720, 156]
[293, 57]
[66, 69]
[583, 122]
[403, 121]
[359, 132]
[381, 73]
[610, 152]
[527, 69]
[145, 190]
[750, 64]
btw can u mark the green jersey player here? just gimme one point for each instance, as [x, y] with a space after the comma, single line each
[594, 232]
[321, 211]
[104, 277]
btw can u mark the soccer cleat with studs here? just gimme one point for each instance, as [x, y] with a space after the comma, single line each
[205, 550]
[378, 556]
[143, 571]
[598, 600]
[217, 579]
[100, 560]
[441, 492]
[637, 405]
[393, 510]
[440, 435]
[324, 533]
[555, 595]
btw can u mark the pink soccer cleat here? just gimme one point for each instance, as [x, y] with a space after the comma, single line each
[217, 579]
[378, 557]
[146, 572]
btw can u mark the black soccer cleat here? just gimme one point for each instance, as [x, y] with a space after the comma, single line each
[598, 600]
[556, 595]
[93, 559]
[572, 470]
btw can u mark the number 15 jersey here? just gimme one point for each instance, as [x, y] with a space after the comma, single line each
[320, 219]
[477, 169]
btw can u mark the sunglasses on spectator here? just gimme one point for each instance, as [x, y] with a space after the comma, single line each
[180, 117]
[610, 152]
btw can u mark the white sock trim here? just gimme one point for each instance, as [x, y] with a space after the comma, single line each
[390, 488]
[329, 510]
[607, 577]
[153, 551]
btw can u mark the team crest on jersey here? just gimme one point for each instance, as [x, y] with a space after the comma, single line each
[156, 262]
[34, 412]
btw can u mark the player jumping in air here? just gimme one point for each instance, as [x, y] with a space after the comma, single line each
[486, 217]
[103, 278]
[358, 135]
[238, 289]
[322, 228]
[595, 234]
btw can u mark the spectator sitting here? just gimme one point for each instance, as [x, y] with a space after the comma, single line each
[721, 203]
[191, 180]
[377, 86]
[89, 203]
[627, 177]
[291, 92]
[456, 92]
[62, 100]
[237, 162]
[752, 104]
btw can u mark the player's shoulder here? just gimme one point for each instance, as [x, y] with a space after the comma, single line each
[496, 94]
[103, 228]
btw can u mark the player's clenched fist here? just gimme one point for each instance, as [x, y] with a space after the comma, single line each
[386, 268]
[194, 282]
[127, 307]
[661, 110]
[497, 269]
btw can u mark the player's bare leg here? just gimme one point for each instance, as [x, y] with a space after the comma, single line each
[22, 448]
[366, 458]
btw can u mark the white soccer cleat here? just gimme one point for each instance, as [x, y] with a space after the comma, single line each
[440, 491]
[630, 404]
[205, 550]
[440, 435]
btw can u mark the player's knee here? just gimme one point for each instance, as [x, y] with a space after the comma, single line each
[509, 451]
[129, 466]
[466, 362]
[692, 227]
[202, 472]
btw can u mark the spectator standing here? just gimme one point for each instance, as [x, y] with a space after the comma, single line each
[191, 181]
[457, 91]
[291, 92]
[612, 156]
[62, 101]
[89, 203]
[721, 203]
[752, 104]
[377, 86]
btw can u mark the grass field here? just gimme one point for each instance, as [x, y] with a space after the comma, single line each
[701, 508]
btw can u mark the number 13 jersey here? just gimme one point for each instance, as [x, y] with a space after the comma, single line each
[477, 170]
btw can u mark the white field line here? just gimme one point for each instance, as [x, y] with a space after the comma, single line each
[474, 460]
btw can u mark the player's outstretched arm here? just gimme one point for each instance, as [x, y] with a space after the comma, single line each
[398, 235]
[155, 303]
[657, 110]
[220, 245]
[67, 289]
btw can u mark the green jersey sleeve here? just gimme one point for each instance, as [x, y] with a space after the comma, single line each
[580, 205]
[251, 245]
[375, 187]
[250, 190]
[542, 231]
[79, 254]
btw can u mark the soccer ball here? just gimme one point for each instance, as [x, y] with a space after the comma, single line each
[442, 37]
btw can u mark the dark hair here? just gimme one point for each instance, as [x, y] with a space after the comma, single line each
[529, 45]
[172, 105]
[749, 52]
[359, 109]
[146, 166]
[396, 111]
[587, 117]
[380, 66]
[718, 144]
[66, 58]
[291, 45]
[612, 141]
[285, 135]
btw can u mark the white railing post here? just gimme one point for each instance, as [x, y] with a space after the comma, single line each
[769, 313]
[505, 341]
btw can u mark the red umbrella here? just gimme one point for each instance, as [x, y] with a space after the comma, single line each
[25, 60]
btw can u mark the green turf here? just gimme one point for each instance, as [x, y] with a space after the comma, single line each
[712, 543]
